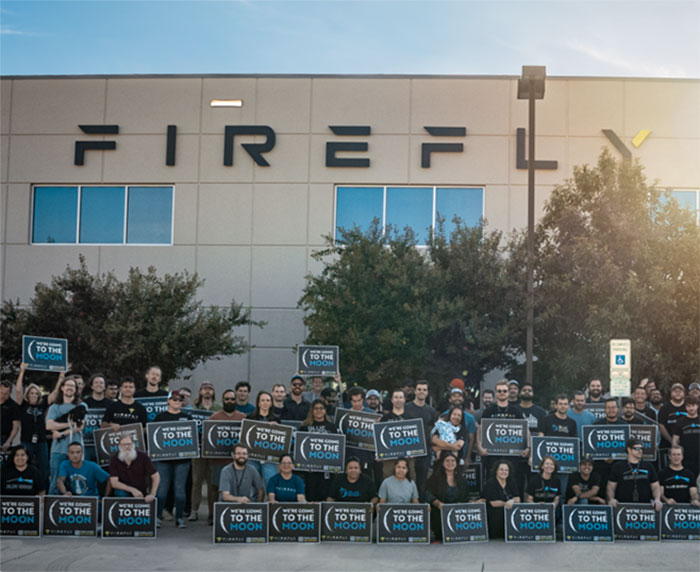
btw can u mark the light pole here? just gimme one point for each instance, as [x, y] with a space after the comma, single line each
[531, 87]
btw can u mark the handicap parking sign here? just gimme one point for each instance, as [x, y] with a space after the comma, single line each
[620, 359]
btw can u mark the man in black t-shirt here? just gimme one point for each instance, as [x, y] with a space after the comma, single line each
[419, 409]
[670, 414]
[678, 482]
[584, 486]
[559, 424]
[126, 410]
[153, 379]
[634, 480]
[97, 387]
[686, 432]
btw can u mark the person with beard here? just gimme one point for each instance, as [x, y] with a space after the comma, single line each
[678, 482]
[656, 402]
[239, 482]
[579, 413]
[201, 468]
[534, 414]
[595, 391]
[639, 395]
[296, 408]
[132, 473]
[686, 433]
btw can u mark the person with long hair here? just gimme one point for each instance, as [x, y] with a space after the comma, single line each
[499, 491]
[263, 412]
[449, 433]
[545, 486]
[285, 486]
[445, 486]
[66, 426]
[33, 407]
[353, 485]
[19, 477]
[399, 488]
[318, 483]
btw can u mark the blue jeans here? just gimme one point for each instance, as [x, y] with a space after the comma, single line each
[55, 463]
[174, 472]
[266, 470]
[39, 455]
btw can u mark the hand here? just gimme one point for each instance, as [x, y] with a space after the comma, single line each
[55, 434]
[137, 494]
[459, 443]
[243, 500]
[571, 501]
[670, 501]
[509, 504]
[6, 446]
[22, 367]
[68, 494]
[695, 502]
[115, 427]
[658, 505]
[613, 503]
[525, 453]
[149, 498]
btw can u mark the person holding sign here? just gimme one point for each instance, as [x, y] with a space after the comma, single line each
[19, 478]
[201, 468]
[263, 412]
[499, 491]
[9, 416]
[584, 486]
[131, 472]
[239, 482]
[317, 483]
[678, 482]
[399, 488]
[174, 471]
[65, 419]
[445, 486]
[686, 432]
[545, 487]
[285, 486]
[353, 486]
[449, 433]
[634, 480]
[78, 477]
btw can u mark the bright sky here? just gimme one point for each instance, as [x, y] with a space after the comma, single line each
[580, 38]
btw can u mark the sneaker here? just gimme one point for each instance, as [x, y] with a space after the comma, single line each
[167, 515]
[157, 523]
[193, 515]
[210, 520]
[181, 523]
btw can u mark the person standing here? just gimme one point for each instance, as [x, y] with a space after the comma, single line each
[242, 397]
[419, 409]
[318, 483]
[9, 416]
[634, 480]
[153, 379]
[279, 393]
[97, 398]
[296, 408]
[595, 391]
[579, 413]
[315, 391]
[668, 416]
[678, 482]
[534, 414]
[125, 410]
[686, 433]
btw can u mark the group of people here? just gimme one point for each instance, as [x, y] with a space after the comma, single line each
[452, 433]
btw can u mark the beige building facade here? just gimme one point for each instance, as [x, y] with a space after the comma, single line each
[249, 229]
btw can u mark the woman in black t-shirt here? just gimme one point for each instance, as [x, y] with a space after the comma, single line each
[544, 487]
[318, 484]
[499, 491]
[19, 478]
[33, 407]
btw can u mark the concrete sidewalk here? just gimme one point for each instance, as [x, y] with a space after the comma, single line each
[191, 549]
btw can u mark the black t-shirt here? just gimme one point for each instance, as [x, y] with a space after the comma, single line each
[391, 416]
[9, 412]
[427, 413]
[20, 483]
[552, 426]
[167, 416]
[543, 490]
[604, 421]
[93, 403]
[630, 477]
[584, 486]
[493, 491]
[145, 393]
[362, 490]
[688, 430]
[33, 419]
[319, 427]
[534, 416]
[677, 484]
[510, 411]
[271, 417]
[294, 411]
[669, 415]
[122, 414]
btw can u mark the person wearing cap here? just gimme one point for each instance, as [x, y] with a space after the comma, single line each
[513, 391]
[686, 432]
[201, 468]
[694, 390]
[634, 480]
[374, 401]
[669, 415]
[445, 400]
[296, 408]
[468, 422]
[173, 471]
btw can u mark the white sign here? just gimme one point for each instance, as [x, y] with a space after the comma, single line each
[620, 367]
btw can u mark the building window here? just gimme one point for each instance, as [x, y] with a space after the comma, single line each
[416, 207]
[689, 200]
[102, 215]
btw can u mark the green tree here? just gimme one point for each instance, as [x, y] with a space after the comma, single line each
[616, 258]
[122, 327]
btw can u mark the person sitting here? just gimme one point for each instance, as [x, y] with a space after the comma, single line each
[18, 477]
[79, 477]
[445, 486]
[239, 482]
[285, 486]
[399, 488]
[499, 491]
[132, 473]
[353, 485]
[584, 486]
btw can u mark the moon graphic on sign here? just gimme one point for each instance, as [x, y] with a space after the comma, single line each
[448, 517]
[668, 513]
[274, 519]
[571, 519]
[619, 514]
[539, 449]
[590, 438]
[386, 516]
[343, 423]
[303, 358]
[488, 433]
[247, 439]
[221, 520]
[111, 510]
[29, 350]
[155, 438]
[51, 509]
[512, 517]
[328, 524]
[304, 449]
[381, 437]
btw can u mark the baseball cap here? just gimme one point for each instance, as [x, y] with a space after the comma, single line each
[458, 383]
[176, 393]
[678, 385]
[694, 385]
[514, 382]
[373, 393]
[457, 390]
[206, 384]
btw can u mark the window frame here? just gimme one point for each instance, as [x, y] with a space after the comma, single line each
[384, 188]
[127, 188]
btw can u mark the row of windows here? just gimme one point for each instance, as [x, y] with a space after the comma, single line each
[415, 207]
[102, 215]
[689, 200]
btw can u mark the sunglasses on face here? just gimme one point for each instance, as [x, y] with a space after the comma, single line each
[176, 399]
[501, 391]
[297, 385]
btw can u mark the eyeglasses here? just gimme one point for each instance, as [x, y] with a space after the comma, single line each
[638, 448]
[501, 391]
[229, 399]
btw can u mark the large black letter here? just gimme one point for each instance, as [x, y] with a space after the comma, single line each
[521, 162]
[333, 148]
[82, 146]
[428, 148]
[255, 150]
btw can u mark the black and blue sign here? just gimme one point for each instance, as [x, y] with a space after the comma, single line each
[241, 523]
[564, 450]
[266, 441]
[402, 438]
[172, 440]
[605, 441]
[319, 452]
[20, 516]
[45, 354]
[648, 435]
[219, 438]
[317, 360]
[107, 441]
[598, 409]
[346, 522]
[504, 436]
[403, 523]
[464, 523]
[530, 522]
[128, 518]
[153, 406]
[295, 522]
[93, 420]
[358, 427]
[588, 523]
[635, 521]
[473, 473]
[70, 516]
[680, 522]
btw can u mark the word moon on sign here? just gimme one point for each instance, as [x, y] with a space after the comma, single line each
[20, 516]
[464, 523]
[107, 441]
[266, 441]
[319, 452]
[564, 450]
[504, 436]
[358, 428]
[219, 438]
[403, 438]
[346, 522]
[317, 360]
[588, 523]
[636, 521]
[70, 516]
[241, 523]
[124, 517]
[172, 440]
[530, 522]
[403, 524]
[295, 522]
